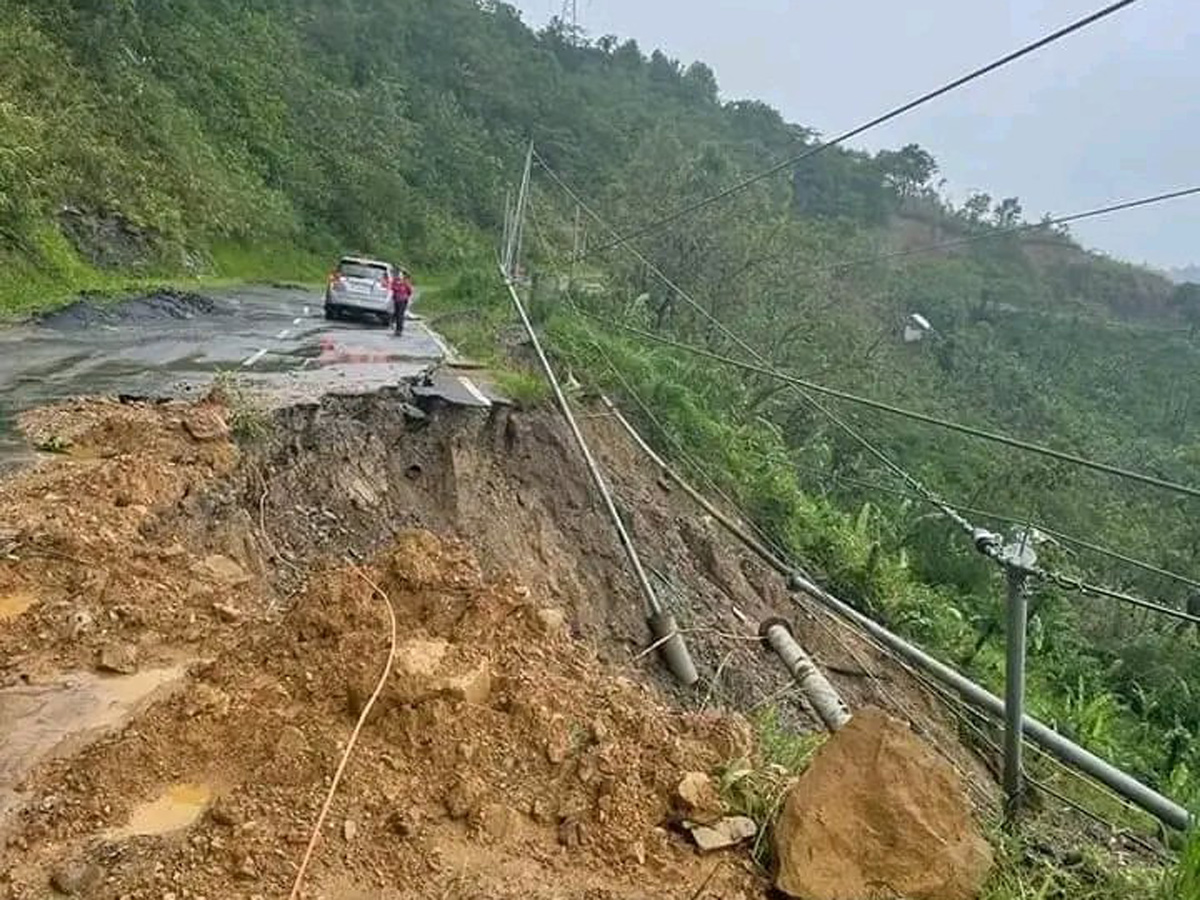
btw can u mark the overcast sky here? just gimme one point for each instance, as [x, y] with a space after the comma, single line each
[1108, 114]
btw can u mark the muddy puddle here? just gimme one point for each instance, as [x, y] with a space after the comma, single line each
[12, 605]
[42, 721]
[179, 806]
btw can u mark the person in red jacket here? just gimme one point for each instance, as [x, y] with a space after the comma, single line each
[402, 291]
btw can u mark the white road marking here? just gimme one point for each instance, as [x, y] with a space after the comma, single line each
[255, 358]
[469, 385]
[298, 319]
[306, 309]
[282, 334]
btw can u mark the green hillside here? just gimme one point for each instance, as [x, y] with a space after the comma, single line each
[173, 139]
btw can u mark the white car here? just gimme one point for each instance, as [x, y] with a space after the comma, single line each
[360, 286]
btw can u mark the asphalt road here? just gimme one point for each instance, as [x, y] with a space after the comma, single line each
[276, 340]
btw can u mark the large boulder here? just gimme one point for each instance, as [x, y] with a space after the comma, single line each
[879, 814]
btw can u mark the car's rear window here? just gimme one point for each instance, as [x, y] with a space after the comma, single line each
[361, 270]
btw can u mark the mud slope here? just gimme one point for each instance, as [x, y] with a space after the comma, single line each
[343, 476]
[187, 637]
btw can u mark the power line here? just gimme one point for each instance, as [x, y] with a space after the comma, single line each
[737, 188]
[989, 549]
[676, 445]
[984, 542]
[751, 351]
[1013, 520]
[924, 418]
[1015, 229]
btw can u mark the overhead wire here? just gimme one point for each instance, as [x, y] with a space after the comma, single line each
[993, 551]
[984, 542]
[1054, 533]
[994, 233]
[750, 181]
[956, 705]
[924, 418]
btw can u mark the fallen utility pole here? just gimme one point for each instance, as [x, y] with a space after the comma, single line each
[775, 633]
[1162, 808]
[662, 623]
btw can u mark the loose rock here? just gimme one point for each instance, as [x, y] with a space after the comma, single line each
[205, 423]
[698, 800]
[474, 687]
[420, 658]
[75, 878]
[878, 811]
[223, 570]
[554, 621]
[728, 832]
[121, 659]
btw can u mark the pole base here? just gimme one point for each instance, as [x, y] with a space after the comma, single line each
[673, 650]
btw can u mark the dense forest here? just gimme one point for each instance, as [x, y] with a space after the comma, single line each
[212, 137]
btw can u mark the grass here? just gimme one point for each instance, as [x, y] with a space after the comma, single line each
[1089, 875]
[525, 389]
[757, 788]
[58, 275]
[248, 421]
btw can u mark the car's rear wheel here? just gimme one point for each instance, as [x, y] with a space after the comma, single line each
[385, 319]
[331, 313]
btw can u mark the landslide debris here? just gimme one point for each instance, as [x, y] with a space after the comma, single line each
[878, 814]
[181, 619]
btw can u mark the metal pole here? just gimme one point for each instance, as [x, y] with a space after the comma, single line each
[506, 248]
[1014, 693]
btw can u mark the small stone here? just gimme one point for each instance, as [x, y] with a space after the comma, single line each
[204, 423]
[638, 852]
[474, 687]
[462, 798]
[413, 413]
[571, 833]
[82, 622]
[728, 832]
[227, 613]
[223, 813]
[404, 824]
[542, 811]
[420, 658]
[246, 869]
[291, 744]
[553, 621]
[349, 830]
[698, 799]
[222, 570]
[118, 658]
[75, 878]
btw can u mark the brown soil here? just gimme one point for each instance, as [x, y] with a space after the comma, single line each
[533, 764]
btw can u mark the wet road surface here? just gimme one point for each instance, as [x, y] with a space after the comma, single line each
[276, 340]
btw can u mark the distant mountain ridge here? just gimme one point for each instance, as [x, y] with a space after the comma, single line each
[1185, 274]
